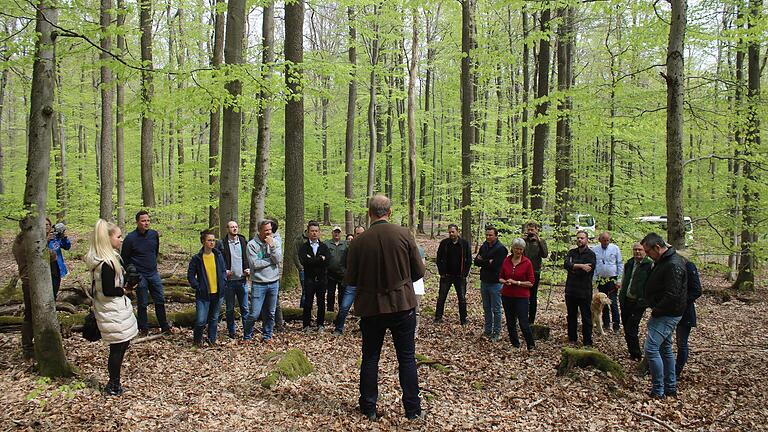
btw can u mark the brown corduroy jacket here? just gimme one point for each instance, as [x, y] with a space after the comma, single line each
[383, 263]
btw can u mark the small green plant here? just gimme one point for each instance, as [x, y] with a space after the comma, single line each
[41, 385]
[69, 390]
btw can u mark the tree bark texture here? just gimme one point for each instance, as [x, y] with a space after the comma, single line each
[349, 141]
[294, 135]
[106, 204]
[264, 137]
[49, 351]
[541, 130]
[563, 167]
[526, 93]
[373, 146]
[675, 105]
[232, 117]
[412, 76]
[120, 119]
[147, 93]
[467, 117]
[214, 132]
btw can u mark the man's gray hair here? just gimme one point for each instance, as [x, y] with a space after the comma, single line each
[264, 222]
[518, 243]
[379, 205]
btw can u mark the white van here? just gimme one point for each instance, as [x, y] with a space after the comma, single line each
[660, 222]
[583, 222]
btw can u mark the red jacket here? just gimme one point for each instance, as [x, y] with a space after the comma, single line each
[521, 272]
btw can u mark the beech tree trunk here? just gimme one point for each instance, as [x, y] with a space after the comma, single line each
[526, 92]
[294, 136]
[120, 119]
[349, 142]
[232, 118]
[214, 133]
[675, 105]
[372, 107]
[106, 205]
[412, 76]
[264, 137]
[541, 131]
[563, 168]
[467, 128]
[147, 93]
[745, 280]
[49, 351]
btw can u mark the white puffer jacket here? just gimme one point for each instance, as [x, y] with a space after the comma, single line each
[114, 315]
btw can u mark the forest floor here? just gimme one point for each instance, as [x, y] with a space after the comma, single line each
[485, 386]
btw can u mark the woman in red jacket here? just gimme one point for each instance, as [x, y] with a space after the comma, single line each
[517, 278]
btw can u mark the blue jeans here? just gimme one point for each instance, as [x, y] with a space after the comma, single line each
[402, 326]
[681, 335]
[236, 290]
[658, 351]
[491, 294]
[207, 313]
[262, 304]
[151, 284]
[347, 298]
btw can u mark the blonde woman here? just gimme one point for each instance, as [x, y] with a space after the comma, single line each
[113, 310]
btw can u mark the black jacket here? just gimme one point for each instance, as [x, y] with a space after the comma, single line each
[442, 259]
[489, 259]
[315, 265]
[579, 282]
[693, 293]
[223, 247]
[667, 284]
[198, 278]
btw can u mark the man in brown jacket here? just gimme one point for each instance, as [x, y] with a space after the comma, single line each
[382, 263]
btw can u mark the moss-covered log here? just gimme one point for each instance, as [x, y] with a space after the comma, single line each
[583, 358]
[291, 365]
[540, 332]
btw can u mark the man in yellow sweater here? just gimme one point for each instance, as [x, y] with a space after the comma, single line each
[207, 275]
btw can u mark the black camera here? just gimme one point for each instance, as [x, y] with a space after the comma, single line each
[132, 277]
[59, 229]
[529, 235]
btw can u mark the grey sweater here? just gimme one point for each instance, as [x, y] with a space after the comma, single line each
[264, 260]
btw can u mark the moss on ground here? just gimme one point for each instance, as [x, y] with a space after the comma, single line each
[421, 359]
[293, 364]
[540, 332]
[582, 358]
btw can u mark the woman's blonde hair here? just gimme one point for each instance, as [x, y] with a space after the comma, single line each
[101, 247]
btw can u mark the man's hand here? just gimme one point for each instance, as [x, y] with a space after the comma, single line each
[587, 268]
[247, 272]
[229, 273]
[269, 240]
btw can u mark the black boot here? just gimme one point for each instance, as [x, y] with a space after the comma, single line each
[113, 388]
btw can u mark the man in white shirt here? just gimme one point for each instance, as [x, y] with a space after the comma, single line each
[608, 273]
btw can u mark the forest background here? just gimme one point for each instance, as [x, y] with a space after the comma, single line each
[479, 112]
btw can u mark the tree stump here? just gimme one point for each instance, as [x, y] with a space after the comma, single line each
[583, 358]
[292, 364]
[540, 332]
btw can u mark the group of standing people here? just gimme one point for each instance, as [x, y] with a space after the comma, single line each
[656, 277]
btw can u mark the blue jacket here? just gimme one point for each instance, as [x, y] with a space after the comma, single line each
[56, 245]
[694, 292]
[141, 250]
[198, 278]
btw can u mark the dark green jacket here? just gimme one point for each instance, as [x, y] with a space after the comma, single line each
[638, 282]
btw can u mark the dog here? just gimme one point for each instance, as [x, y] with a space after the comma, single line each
[599, 301]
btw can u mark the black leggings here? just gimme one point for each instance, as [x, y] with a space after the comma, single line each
[115, 362]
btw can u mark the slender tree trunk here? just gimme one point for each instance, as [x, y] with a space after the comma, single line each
[541, 131]
[412, 76]
[264, 137]
[294, 134]
[232, 118]
[563, 167]
[372, 107]
[467, 128]
[147, 93]
[60, 149]
[745, 280]
[349, 142]
[120, 119]
[526, 92]
[324, 102]
[675, 105]
[106, 204]
[49, 351]
[425, 126]
[214, 133]
[3, 86]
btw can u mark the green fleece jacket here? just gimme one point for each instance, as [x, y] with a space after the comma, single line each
[640, 272]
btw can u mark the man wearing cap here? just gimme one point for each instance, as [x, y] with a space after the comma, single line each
[337, 266]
